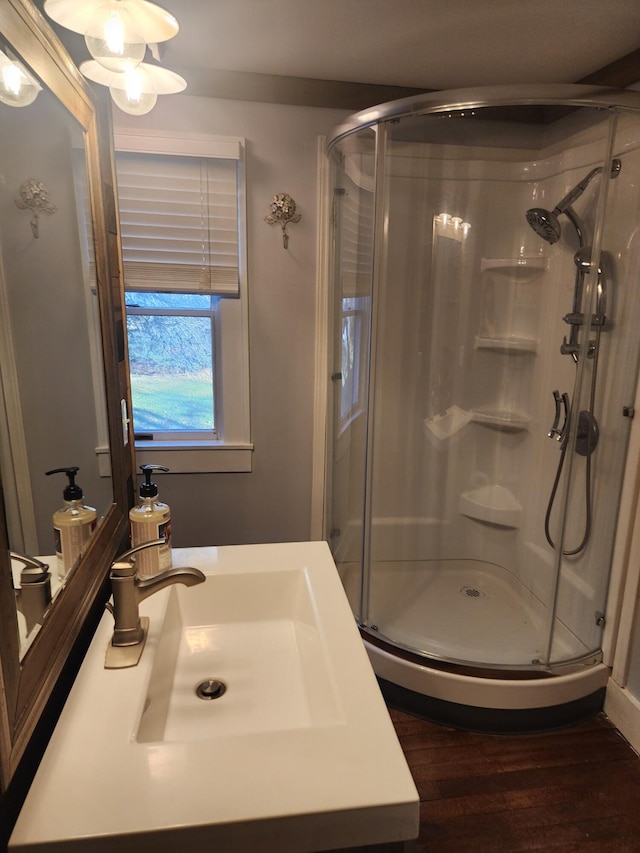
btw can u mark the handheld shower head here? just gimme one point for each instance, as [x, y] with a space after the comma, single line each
[545, 222]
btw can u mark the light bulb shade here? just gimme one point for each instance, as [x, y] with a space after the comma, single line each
[17, 87]
[133, 101]
[156, 78]
[153, 23]
[113, 39]
[134, 91]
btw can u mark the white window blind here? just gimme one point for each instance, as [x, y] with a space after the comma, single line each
[179, 223]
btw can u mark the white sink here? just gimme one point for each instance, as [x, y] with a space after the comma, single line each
[258, 635]
[297, 754]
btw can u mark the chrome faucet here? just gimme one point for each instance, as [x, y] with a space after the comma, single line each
[129, 590]
[34, 595]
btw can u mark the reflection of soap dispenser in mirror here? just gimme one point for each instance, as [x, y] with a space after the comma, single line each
[151, 519]
[73, 524]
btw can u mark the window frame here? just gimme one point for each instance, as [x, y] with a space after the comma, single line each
[232, 450]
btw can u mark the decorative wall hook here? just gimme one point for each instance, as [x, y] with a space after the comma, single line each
[283, 210]
[34, 196]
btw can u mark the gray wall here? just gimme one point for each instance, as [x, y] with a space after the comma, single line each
[273, 502]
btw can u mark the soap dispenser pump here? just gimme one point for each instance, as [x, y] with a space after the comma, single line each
[73, 524]
[151, 519]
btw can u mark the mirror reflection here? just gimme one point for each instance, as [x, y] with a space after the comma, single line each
[52, 398]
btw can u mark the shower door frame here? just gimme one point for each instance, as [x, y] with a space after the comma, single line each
[379, 247]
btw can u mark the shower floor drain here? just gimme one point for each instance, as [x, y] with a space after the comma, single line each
[472, 592]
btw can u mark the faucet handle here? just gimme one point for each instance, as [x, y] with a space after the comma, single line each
[34, 570]
[122, 568]
[124, 565]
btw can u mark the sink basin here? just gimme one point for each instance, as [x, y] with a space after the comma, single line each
[296, 752]
[257, 635]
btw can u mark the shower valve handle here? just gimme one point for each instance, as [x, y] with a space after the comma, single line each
[562, 407]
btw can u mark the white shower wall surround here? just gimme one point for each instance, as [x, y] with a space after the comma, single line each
[460, 463]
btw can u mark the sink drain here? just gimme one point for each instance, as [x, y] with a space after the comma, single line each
[210, 688]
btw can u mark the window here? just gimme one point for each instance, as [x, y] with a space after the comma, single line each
[181, 202]
[172, 365]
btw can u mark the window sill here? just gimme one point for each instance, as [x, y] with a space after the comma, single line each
[196, 457]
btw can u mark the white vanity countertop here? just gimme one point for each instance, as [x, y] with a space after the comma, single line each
[342, 783]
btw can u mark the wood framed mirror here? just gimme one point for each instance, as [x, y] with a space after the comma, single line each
[65, 124]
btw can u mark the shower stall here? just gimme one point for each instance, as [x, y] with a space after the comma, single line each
[486, 336]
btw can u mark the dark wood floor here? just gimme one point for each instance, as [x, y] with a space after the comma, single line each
[577, 789]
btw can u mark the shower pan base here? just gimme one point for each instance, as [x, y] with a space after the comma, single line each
[505, 705]
[461, 610]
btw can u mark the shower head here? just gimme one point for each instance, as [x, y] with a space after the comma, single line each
[545, 222]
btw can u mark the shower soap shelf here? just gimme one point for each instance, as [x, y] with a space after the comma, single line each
[503, 419]
[517, 268]
[492, 505]
[507, 344]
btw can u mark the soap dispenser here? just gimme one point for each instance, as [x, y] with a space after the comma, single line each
[151, 519]
[73, 524]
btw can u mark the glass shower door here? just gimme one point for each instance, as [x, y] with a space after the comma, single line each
[470, 308]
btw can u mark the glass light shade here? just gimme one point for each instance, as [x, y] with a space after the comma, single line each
[135, 93]
[156, 79]
[113, 37]
[17, 86]
[153, 23]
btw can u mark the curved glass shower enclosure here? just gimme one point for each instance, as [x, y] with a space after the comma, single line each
[486, 320]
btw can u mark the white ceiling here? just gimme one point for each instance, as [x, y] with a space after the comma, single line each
[428, 44]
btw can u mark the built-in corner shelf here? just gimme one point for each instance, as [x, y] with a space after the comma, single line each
[507, 344]
[515, 268]
[507, 420]
[492, 505]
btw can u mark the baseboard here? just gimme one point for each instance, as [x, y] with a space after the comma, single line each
[623, 709]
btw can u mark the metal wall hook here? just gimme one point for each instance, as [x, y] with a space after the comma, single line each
[283, 210]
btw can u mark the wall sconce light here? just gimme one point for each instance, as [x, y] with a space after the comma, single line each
[117, 34]
[283, 210]
[17, 87]
[34, 196]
